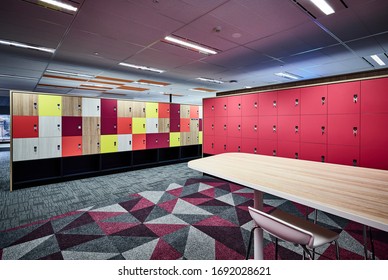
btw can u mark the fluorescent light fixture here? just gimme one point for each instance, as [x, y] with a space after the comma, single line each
[26, 46]
[69, 73]
[323, 6]
[60, 5]
[288, 75]
[210, 80]
[141, 67]
[377, 59]
[189, 44]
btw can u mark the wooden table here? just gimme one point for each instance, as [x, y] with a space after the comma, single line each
[355, 193]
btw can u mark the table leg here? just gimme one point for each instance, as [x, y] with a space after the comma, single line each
[258, 238]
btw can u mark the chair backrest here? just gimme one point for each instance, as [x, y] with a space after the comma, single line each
[280, 228]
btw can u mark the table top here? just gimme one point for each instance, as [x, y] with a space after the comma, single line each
[355, 193]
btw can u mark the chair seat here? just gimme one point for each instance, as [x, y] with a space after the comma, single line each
[321, 235]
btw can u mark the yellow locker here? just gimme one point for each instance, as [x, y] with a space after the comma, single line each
[109, 143]
[50, 105]
[175, 139]
[138, 125]
[200, 138]
[152, 110]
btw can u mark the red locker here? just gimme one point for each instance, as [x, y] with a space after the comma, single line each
[208, 144]
[208, 107]
[108, 125]
[220, 144]
[234, 106]
[164, 110]
[221, 107]
[200, 125]
[194, 112]
[344, 129]
[108, 108]
[313, 152]
[374, 94]
[344, 98]
[289, 102]
[268, 103]
[234, 127]
[124, 125]
[185, 125]
[250, 127]
[313, 129]
[221, 126]
[288, 149]
[249, 145]
[313, 100]
[374, 139]
[234, 144]
[288, 128]
[267, 147]
[157, 140]
[209, 126]
[71, 126]
[175, 111]
[340, 154]
[139, 141]
[25, 126]
[71, 146]
[250, 104]
[175, 125]
[268, 128]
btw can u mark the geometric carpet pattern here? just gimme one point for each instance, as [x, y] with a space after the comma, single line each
[203, 219]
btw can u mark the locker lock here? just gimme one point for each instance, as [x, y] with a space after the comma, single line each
[59, 147]
[79, 146]
[296, 129]
[79, 127]
[239, 127]
[156, 140]
[274, 152]
[59, 106]
[98, 126]
[114, 109]
[114, 126]
[255, 128]
[114, 143]
[143, 125]
[274, 128]
[98, 144]
[224, 126]
[79, 107]
[296, 155]
[212, 108]
[156, 125]
[225, 147]
[323, 100]
[224, 106]
[59, 126]
[212, 145]
[239, 106]
[130, 109]
[255, 150]
[354, 162]
[239, 149]
[144, 141]
[35, 127]
[274, 103]
[322, 158]
[130, 125]
[323, 129]
[355, 98]
[212, 126]
[130, 142]
[168, 125]
[35, 105]
[156, 110]
[98, 108]
[255, 105]
[296, 102]
[355, 131]
[143, 110]
[35, 149]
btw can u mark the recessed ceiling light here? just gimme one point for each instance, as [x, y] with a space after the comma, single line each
[323, 6]
[26, 46]
[288, 75]
[202, 89]
[152, 83]
[210, 80]
[378, 60]
[189, 44]
[69, 73]
[60, 5]
[141, 67]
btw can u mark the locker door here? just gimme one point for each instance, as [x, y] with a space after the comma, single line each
[313, 129]
[71, 126]
[152, 125]
[124, 125]
[234, 127]
[313, 100]
[250, 127]
[374, 94]
[267, 147]
[268, 128]
[185, 125]
[374, 139]
[108, 108]
[124, 109]
[268, 103]
[234, 144]
[50, 147]
[344, 98]
[164, 125]
[175, 139]
[72, 106]
[175, 125]
[220, 144]
[194, 137]
[250, 104]
[49, 105]
[221, 107]
[208, 107]
[200, 121]
[234, 106]
[194, 125]
[109, 143]
[91, 126]
[288, 128]
[209, 126]
[185, 111]
[71, 146]
[24, 104]
[25, 149]
[186, 139]
[289, 102]
[288, 149]
[344, 129]
[208, 144]
[164, 110]
[91, 144]
[152, 110]
[125, 142]
[194, 112]
[313, 152]
[249, 145]
[138, 126]
[175, 111]
[50, 126]
[25, 126]
[163, 140]
[91, 107]
[220, 126]
[200, 138]
[108, 125]
[139, 109]
[340, 154]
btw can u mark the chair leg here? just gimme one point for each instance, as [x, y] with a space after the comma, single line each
[307, 251]
[337, 253]
[250, 242]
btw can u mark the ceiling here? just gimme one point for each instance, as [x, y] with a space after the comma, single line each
[254, 39]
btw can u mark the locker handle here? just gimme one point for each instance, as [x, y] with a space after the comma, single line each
[98, 144]
[35, 127]
[79, 146]
[255, 128]
[114, 109]
[323, 100]
[225, 147]
[212, 126]
[156, 140]
[59, 106]
[130, 142]
[59, 147]
[239, 127]
[179, 125]
[239, 149]
[156, 125]
[296, 155]
[274, 152]
[79, 127]
[274, 128]
[130, 109]
[255, 150]
[224, 126]
[156, 110]
[179, 111]
[35, 105]
[168, 110]
[355, 98]
[144, 141]
[239, 106]
[296, 102]
[98, 126]
[197, 124]
[168, 125]
[115, 126]
[59, 126]
[323, 129]
[322, 158]
[255, 105]
[98, 108]
[143, 110]
[35, 149]
[296, 129]
[355, 131]
[114, 143]
[354, 162]
[143, 125]
[224, 106]
[130, 125]
[179, 139]
[212, 108]
[188, 124]
[79, 107]
[212, 145]
[274, 103]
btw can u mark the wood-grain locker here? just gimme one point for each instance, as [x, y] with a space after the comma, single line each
[344, 98]
[139, 109]
[164, 110]
[313, 152]
[50, 126]
[49, 105]
[125, 142]
[374, 95]
[139, 142]
[152, 110]
[289, 102]
[91, 126]
[175, 139]
[124, 125]
[314, 100]
[139, 125]
[91, 107]
[91, 144]
[124, 108]
[288, 128]
[25, 126]
[164, 125]
[186, 139]
[250, 104]
[152, 125]
[194, 125]
[185, 125]
[314, 129]
[25, 149]
[108, 108]
[71, 146]
[194, 137]
[72, 106]
[71, 126]
[268, 103]
[234, 106]
[108, 125]
[24, 104]
[185, 111]
[50, 147]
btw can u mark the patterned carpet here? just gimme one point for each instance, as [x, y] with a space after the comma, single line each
[204, 219]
